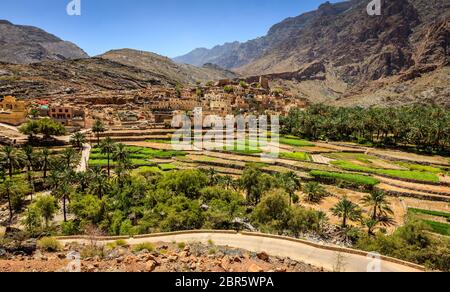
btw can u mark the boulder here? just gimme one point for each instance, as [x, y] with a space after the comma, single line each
[253, 268]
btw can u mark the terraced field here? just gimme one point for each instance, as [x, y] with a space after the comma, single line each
[412, 180]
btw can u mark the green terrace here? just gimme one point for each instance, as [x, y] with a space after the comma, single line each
[347, 177]
[294, 141]
[300, 156]
[430, 213]
[139, 156]
[395, 173]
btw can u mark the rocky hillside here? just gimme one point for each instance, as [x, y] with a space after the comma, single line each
[339, 51]
[52, 78]
[160, 65]
[26, 44]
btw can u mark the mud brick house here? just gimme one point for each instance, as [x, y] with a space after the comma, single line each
[68, 115]
[12, 111]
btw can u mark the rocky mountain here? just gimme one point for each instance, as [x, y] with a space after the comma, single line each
[72, 77]
[26, 44]
[339, 51]
[181, 73]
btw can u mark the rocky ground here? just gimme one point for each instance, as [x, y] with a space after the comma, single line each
[164, 258]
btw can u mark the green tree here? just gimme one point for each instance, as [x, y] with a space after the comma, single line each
[251, 182]
[98, 128]
[49, 128]
[29, 156]
[11, 158]
[346, 210]
[32, 219]
[45, 161]
[12, 190]
[379, 204]
[290, 183]
[77, 140]
[314, 192]
[273, 211]
[47, 207]
[107, 147]
[69, 157]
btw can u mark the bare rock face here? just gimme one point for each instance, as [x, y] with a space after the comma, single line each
[350, 50]
[26, 44]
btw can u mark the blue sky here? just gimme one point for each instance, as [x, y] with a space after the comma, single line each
[167, 27]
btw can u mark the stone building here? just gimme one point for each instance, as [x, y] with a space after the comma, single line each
[68, 115]
[12, 111]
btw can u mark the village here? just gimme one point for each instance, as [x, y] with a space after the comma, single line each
[153, 107]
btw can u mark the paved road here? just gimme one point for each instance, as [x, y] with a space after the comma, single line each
[279, 247]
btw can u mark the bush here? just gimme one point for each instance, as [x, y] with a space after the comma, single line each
[181, 245]
[144, 246]
[70, 228]
[49, 244]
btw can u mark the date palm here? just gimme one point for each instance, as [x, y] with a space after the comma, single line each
[11, 158]
[45, 154]
[69, 157]
[77, 140]
[107, 148]
[121, 155]
[290, 182]
[8, 189]
[29, 155]
[346, 210]
[314, 192]
[378, 203]
[98, 128]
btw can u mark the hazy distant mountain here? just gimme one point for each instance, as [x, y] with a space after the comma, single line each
[26, 44]
[164, 66]
[339, 51]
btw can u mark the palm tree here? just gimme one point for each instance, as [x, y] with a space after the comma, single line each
[62, 192]
[121, 155]
[12, 158]
[99, 182]
[69, 157]
[107, 148]
[45, 161]
[77, 140]
[29, 157]
[314, 192]
[379, 204]
[98, 128]
[290, 183]
[371, 225]
[347, 210]
[10, 189]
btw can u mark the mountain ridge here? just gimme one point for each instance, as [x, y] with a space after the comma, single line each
[23, 44]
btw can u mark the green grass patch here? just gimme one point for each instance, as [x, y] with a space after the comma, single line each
[403, 174]
[418, 167]
[349, 177]
[291, 141]
[167, 167]
[431, 213]
[301, 156]
[438, 227]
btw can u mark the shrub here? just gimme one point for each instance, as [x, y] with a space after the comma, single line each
[49, 244]
[70, 228]
[144, 246]
[181, 245]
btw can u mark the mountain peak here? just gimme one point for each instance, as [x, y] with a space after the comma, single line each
[20, 44]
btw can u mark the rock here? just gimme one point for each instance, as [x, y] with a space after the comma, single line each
[254, 269]
[150, 266]
[263, 256]
[173, 258]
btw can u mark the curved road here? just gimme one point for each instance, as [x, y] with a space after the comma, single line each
[319, 257]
